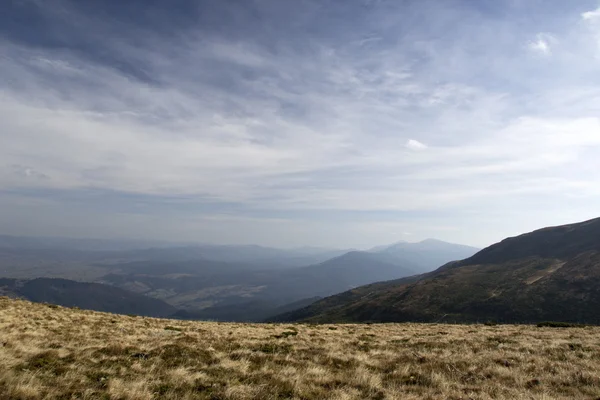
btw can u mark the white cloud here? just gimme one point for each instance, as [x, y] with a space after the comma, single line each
[415, 145]
[542, 44]
[591, 15]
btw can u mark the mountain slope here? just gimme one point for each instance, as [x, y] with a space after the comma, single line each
[559, 242]
[426, 255]
[335, 307]
[549, 274]
[91, 296]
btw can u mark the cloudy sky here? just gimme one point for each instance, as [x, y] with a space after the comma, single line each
[298, 122]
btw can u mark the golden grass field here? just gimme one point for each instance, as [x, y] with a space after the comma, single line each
[49, 352]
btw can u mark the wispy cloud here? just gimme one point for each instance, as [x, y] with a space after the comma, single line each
[542, 44]
[297, 120]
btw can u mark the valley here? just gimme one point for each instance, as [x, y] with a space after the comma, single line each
[223, 283]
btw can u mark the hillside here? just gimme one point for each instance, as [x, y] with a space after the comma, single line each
[424, 256]
[50, 352]
[91, 296]
[335, 306]
[548, 274]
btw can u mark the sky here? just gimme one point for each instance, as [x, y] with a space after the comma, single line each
[298, 122]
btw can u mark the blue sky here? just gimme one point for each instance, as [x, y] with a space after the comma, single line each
[290, 123]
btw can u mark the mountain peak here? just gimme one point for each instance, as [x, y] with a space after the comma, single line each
[432, 240]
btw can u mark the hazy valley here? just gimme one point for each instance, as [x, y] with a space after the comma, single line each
[233, 283]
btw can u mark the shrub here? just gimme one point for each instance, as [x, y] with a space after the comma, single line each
[285, 334]
[173, 328]
[273, 348]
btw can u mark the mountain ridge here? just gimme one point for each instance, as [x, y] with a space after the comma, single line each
[549, 274]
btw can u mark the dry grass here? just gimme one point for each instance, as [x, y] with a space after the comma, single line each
[49, 352]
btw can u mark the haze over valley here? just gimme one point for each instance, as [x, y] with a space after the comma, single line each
[237, 283]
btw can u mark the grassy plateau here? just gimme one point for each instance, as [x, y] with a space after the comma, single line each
[50, 352]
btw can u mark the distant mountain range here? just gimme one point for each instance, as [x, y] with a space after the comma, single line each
[166, 251]
[238, 283]
[552, 274]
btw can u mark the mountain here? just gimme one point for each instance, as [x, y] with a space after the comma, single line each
[552, 274]
[352, 269]
[90, 296]
[424, 256]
